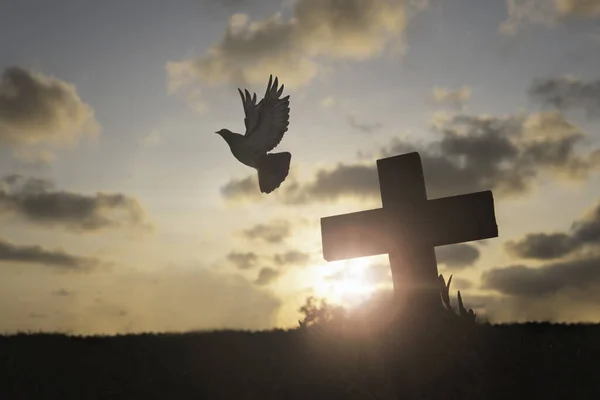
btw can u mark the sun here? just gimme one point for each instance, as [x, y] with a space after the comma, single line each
[345, 282]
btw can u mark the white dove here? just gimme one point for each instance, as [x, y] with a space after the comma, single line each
[266, 123]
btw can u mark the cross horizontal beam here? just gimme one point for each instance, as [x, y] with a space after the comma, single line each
[463, 218]
[440, 222]
[359, 234]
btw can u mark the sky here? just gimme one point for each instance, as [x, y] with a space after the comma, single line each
[122, 211]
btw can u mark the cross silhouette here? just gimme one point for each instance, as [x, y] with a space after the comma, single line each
[408, 227]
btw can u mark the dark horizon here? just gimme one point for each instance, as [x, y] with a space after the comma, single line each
[122, 211]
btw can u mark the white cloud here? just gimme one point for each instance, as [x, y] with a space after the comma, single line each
[195, 102]
[328, 102]
[296, 49]
[522, 13]
[34, 156]
[454, 97]
[578, 8]
[151, 139]
[525, 12]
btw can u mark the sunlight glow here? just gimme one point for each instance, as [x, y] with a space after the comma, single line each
[344, 282]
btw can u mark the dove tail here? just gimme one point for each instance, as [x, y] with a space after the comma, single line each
[272, 170]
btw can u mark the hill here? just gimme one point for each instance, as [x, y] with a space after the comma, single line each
[535, 360]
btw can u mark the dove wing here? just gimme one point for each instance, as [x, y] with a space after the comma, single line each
[270, 119]
[250, 109]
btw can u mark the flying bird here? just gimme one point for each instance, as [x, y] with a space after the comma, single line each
[266, 123]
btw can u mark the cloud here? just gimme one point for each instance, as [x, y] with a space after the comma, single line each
[195, 101]
[328, 102]
[455, 98]
[549, 279]
[36, 108]
[294, 49]
[63, 293]
[545, 246]
[476, 152]
[36, 201]
[292, 258]
[505, 154]
[523, 13]
[457, 256]
[578, 8]
[565, 290]
[460, 284]
[541, 246]
[10, 252]
[151, 139]
[246, 188]
[34, 157]
[356, 180]
[555, 292]
[568, 306]
[243, 261]
[362, 127]
[249, 260]
[568, 93]
[274, 232]
[266, 276]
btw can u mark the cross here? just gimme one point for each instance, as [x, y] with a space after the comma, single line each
[408, 227]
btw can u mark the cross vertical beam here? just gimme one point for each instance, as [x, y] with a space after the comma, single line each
[412, 258]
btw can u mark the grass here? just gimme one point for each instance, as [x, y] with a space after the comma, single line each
[536, 360]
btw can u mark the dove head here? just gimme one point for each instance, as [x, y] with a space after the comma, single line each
[224, 133]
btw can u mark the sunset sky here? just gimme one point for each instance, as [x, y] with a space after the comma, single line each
[122, 211]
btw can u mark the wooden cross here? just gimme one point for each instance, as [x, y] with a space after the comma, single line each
[408, 227]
